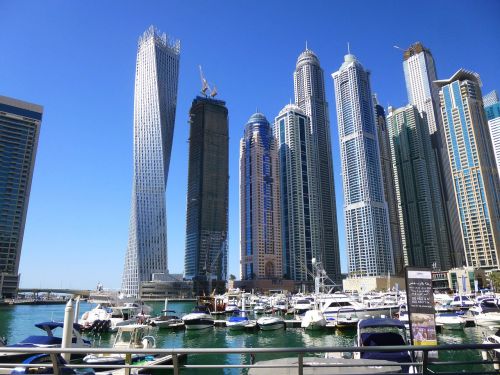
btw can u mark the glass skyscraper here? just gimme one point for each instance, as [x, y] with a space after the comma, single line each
[475, 176]
[389, 189]
[309, 85]
[19, 131]
[368, 238]
[420, 73]
[423, 230]
[155, 100]
[492, 109]
[260, 217]
[300, 235]
[207, 196]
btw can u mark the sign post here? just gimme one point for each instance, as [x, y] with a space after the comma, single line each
[420, 299]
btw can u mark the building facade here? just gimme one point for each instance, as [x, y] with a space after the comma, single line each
[368, 236]
[492, 109]
[260, 216]
[300, 237]
[155, 99]
[19, 131]
[423, 228]
[389, 189]
[309, 87]
[207, 196]
[475, 177]
[420, 73]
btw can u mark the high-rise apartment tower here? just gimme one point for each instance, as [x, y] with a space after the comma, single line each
[368, 236]
[155, 99]
[475, 176]
[260, 216]
[19, 130]
[298, 193]
[423, 230]
[420, 73]
[207, 196]
[309, 85]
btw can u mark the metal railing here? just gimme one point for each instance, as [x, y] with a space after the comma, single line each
[422, 363]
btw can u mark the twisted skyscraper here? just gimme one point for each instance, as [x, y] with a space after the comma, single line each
[155, 99]
[309, 85]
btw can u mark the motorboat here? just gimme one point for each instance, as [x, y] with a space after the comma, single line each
[330, 307]
[133, 336]
[346, 318]
[403, 316]
[313, 320]
[40, 364]
[237, 321]
[260, 307]
[44, 341]
[232, 305]
[301, 306]
[486, 313]
[166, 320]
[383, 332]
[268, 323]
[450, 320]
[463, 302]
[125, 314]
[199, 318]
[280, 306]
[493, 354]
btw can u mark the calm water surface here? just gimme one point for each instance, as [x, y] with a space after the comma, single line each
[17, 322]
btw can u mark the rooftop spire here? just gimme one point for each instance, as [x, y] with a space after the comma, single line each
[348, 48]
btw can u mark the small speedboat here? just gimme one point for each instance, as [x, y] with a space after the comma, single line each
[199, 318]
[165, 320]
[346, 318]
[237, 322]
[313, 320]
[48, 341]
[260, 308]
[493, 354]
[486, 313]
[383, 332]
[451, 321]
[231, 306]
[268, 323]
[133, 336]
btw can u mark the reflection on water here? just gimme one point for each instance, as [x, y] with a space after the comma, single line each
[17, 322]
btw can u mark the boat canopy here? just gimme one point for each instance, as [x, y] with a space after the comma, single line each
[53, 325]
[381, 322]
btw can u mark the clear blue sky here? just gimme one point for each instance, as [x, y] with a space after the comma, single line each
[77, 59]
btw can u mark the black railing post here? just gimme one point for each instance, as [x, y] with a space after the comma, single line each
[301, 363]
[425, 361]
[55, 364]
[175, 363]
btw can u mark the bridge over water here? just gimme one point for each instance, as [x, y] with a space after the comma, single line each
[75, 292]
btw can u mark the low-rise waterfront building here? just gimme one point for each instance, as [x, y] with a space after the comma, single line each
[373, 283]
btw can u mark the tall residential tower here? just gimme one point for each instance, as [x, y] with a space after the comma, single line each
[155, 99]
[208, 194]
[423, 232]
[389, 188]
[309, 85]
[475, 176]
[300, 236]
[19, 130]
[420, 73]
[366, 218]
[260, 217]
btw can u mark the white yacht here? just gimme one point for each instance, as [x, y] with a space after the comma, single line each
[313, 320]
[199, 318]
[331, 306]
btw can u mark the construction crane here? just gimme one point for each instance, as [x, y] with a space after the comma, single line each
[204, 83]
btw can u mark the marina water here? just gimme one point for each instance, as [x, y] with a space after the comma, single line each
[17, 322]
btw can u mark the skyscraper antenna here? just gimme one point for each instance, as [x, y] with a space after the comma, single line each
[348, 48]
[306, 46]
